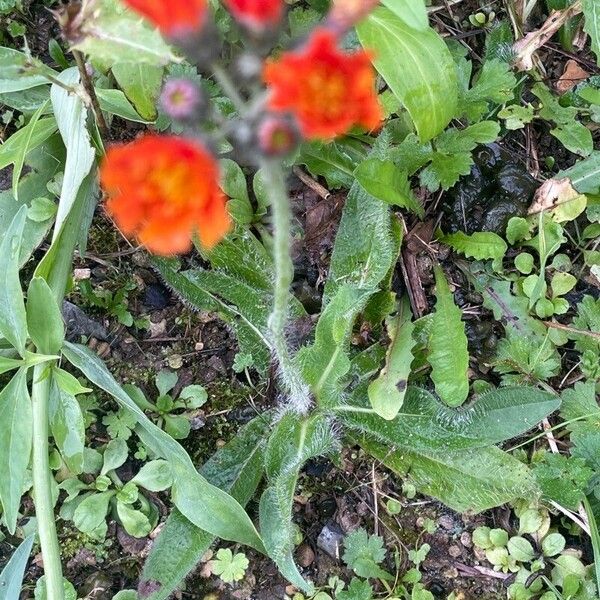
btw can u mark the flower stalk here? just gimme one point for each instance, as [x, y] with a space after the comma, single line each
[42, 484]
[294, 386]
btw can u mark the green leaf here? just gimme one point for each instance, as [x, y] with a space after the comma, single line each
[464, 480]
[115, 455]
[166, 380]
[112, 33]
[366, 245]
[584, 174]
[202, 503]
[68, 383]
[481, 245]
[17, 73]
[68, 427]
[31, 138]
[412, 12]
[357, 590]
[115, 102]
[90, 515]
[11, 577]
[236, 468]
[230, 567]
[155, 476]
[325, 362]
[363, 553]
[386, 393]
[13, 317]
[385, 181]
[9, 364]
[25, 146]
[416, 65]
[141, 83]
[448, 352]
[44, 319]
[16, 430]
[293, 442]
[135, 522]
[591, 11]
[521, 549]
[71, 118]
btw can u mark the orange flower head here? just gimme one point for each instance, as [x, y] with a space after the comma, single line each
[256, 15]
[174, 18]
[163, 190]
[327, 89]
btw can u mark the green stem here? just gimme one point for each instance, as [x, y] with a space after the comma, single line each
[228, 86]
[284, 274]
[42, 485]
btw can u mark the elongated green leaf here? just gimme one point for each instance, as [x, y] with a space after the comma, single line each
[465, 480]
[38, 134]
[448, 352]
[237, 468]
[9, 364]
[70, 115]
[480, 245]
[385, 181]
[115, 102]
[325, 362]
[24, 147]
[425, 424]
[13, 319]
[44, 319]
[11, 578]
[18, 73]
[141, 84]
[386, 393]
[585, 174]
[16, 431]
[366, 245]
[292, 443]
[591, 11]
[203, 504]
[417, 66]
[68, 427]
[412, 12]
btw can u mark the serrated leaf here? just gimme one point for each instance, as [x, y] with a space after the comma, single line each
[448, 351]
[481, 245]
[386, 393]
[204, 504]
[237, 468]
[416, 65]
[16, 431]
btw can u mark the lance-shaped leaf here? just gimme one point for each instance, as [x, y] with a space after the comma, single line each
[448, 352]
[237, 468]
[16, 431]
[11, 578]
[13, 319]
[387, 392]
[204, 504]
[44, 319]
[292, 443]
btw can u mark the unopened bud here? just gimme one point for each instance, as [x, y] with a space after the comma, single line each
[344, 14]
[277, 135]
[258, 16]
[182, 99]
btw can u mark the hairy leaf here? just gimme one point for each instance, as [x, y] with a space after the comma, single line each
[591, 10]
[480, 245]
[448, 352]
[236, 468]
[44, 319]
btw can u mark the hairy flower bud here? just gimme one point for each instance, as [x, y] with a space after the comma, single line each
[182, 100]
[256, 15]
[277, 135]
[344, 14]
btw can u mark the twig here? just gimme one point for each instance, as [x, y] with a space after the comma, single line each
[311, 183]
[551, 325]
[88, 86]
[375, 500]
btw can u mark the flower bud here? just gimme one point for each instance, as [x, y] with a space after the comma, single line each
[182, 100]
[277, 135]
[257, 16]
[344, 14]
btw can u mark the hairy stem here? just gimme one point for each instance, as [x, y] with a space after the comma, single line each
[284, 273]
[42, 485]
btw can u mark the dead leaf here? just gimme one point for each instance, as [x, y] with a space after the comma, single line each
[573, 74]
[560, 199]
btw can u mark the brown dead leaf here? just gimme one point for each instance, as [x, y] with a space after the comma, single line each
[560, 198]
[572, 75]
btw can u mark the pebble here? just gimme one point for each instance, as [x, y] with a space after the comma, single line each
[454, 551]
[446, 522]
[465, 539]
[330, 540]
[305, 555]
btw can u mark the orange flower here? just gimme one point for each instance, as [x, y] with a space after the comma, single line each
[256, 14]
[163, 190]
[172, 17]
[328, 90]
